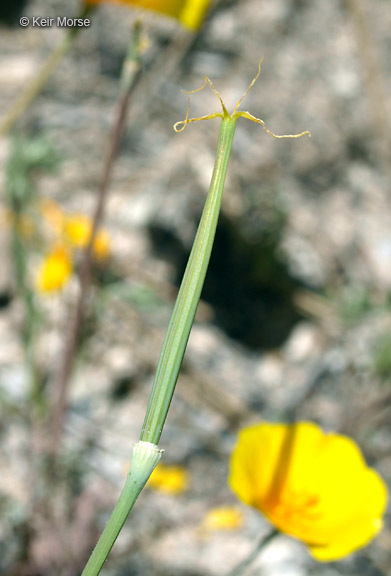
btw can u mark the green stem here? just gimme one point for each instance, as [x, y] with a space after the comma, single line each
[144, 459]
[30, 312]
[178, 332]
[172, 353]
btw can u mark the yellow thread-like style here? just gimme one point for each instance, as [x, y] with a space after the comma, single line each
[181, 125]
[187, 120]
[238, 103]
[262, 123]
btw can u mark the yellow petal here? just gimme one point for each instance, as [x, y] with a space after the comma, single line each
[311, 485]
[193, 13]
[77, 230]
[55, 270]
[170, 479]
[355, 518]
[352, 493]
[190, 13]
[102, 245]
[355, 536]
[256, 463]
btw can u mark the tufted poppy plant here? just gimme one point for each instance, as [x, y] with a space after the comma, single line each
[311, 485]
[190, 13]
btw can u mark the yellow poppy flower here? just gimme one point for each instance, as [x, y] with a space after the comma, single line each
[190, 13]
[223, 518]
[311, 485]
[170, 479]
[55, 270]
[77, 229]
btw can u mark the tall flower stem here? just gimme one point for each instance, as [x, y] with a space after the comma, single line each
[189, 293]
[179, 328]
[173, 350]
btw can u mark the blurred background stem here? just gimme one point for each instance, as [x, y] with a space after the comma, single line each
[30, 312]
[130, 75]
[238, 570]
[27, 97]
[25, 159]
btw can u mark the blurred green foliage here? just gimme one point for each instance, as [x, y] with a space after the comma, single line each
[382, 357]
[27, 158]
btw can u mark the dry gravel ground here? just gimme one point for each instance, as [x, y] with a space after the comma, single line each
[295, 319]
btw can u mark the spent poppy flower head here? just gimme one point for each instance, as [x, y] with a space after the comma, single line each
[311, 485]
[190, 13]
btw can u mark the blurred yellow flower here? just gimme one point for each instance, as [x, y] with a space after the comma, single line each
[170, 479]
[190, 13]
[24, 223]
[77, 230]
[311, 485]
[223, 518]
[52, 213]
[55, 270]
[101, 245]
[70, 232]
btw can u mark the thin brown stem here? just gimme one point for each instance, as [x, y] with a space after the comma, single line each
[254, 554]
[129, 79]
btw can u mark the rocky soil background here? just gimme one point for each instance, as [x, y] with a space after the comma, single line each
[295, 316]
